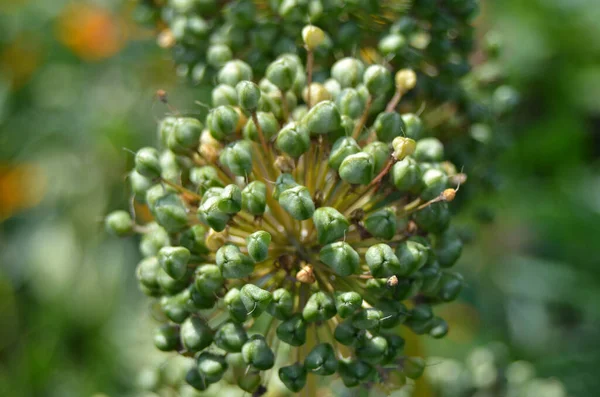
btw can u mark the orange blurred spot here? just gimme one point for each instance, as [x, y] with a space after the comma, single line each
[142, 212]
[20, 59]
[21, 187]
[91, 32]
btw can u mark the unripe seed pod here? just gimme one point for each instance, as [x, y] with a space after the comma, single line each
[355, 371]
[330, 224]
[235, 306]
[435, 182]
[420, 319]
[318, 93]
[254, 198]
[439, 328]
[248, 95]
[232, 263]
[333, 86]
[347, 334]
[292, 331]
[450, 286]
[429, 149]
[257, 353]
[406, 175]
[341, 149]
[377, 79]
[293, 377]
[222, 121]
[382, 223]
[156, 238]
[392, 44]
[431, 278]
[357, 169]
[389, 125]
[230, 199]
[208, 279]
[323, 118]
[347, 303]
[237, 156]
[381, 154]
[351, 103]
[233, 72]
[395, 347]
[211, 366]
[312, 37]
[147, 162]
[165, 129]
[176, 307]
[255, 299]
[383, 262]
[119, 223]
[250, 382]
[321, 360]
[412, 256]
[196, 335]
[174, 261]
[170, 212]
[403, 147]
[282, 305]
[218, 54]
[348, 72]
[169, 285]
[268, 124]
[282, 73]
[320, 307]
[199, 301]
[205, 177]
[413, 126]
[394, 313]
[147, 273]
[197, 381]
[405, 79]
[187, 132]
[297, 202]
[434, 218]
[166, 338]
[231, 337]
[283, 183]
[372, 350]
[258, 245]
[368, 319]
[413, 367]
[139, 185]
[448, 247]
[340, 257]
[293, 139]
[209, 213]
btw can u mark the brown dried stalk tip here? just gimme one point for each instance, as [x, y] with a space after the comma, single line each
[306, 275]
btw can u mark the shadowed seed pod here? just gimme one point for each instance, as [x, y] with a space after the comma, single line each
[308, 225]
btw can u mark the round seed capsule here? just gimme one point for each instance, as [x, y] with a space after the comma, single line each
[222, 121]
[448, 247]
[255, 299]
[372, 350]
[377, 79]
[196, 335]
[282, 73]
[211, 366]
[347, 303]
[268, 124]
[297, 202]
[403, 147]
[232, 263]
[248, 95]
[388, 126]
[257, 353]
[348, 72]
[330, 224]
[258, 245]
[323, 118]
[231, 337]
[341, 149]
[383, 262]
[119, 223]
[411, 255]
[235, 306]
[321, 360]
[254, 198]
[293, 139]
[208, 279]
[382, 223]
[233, 72]
[312, 37]
[147, 162]
[381, 154]
[282, 305]
[166, 338]
[413, 126]
[218, 54]
[357, 169]
[292, 331]
[174, 261]
[406, 175]
[320, 307]
[237, 156]
[351, 103]
[293, 377]
[187, 132]
[340, 257]
[429, 149]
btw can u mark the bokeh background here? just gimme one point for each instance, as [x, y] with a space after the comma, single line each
[77, 84]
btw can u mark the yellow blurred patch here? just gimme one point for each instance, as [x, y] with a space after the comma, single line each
[91, 32]
[464, 321]
[21, 187]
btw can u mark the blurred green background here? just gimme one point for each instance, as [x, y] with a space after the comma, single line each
[77, 84]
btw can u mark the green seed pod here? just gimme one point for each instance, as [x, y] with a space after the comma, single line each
[293, 377]
[282, 305]
[282, 73]
[381, 154]
[323, 118]
[383, 262]
[321, 360]
[388, 126]
[368, 319]
[174, 261]
[429, 149]
[248, 95]
[450, 287]
[147, 273]
[147, 162]
[357, 169]
[258, 245]
[194, 379]
[320, 307]
[413, 367]
[235, 305]
[330, 224]
[119, 223]
[205, 177]
[353, 372]
[218, 54]
[237, 156]
[152, 241]
[434, 218]
[420, 319]
[257, 353]
[312, 36]
[412, 256]
[230, 200]
[341, 149]
[170, 212]
[209, 213]
[139, 185]
[250, 382]
[372, 350]
[255, 299]
[395, 346]
[293, 139]
[233, 72]
[448, 247]
[213, 192]
[196, 335]
[292, 331]
[208, 279]
[176, 307]
[382, 223]
[231, 337]
[165, 129]
[351, 103]
[347, 334]
[413, 126]
[200, 301]
[377, 79]
[340, 257]
[297, 202]
[211, 366]
[431, 278]
[346, 303]
[439, 329]
[232, 263]
[222, 121]
[333, 86]
[392, 44]
[348, 72]
[254, 198]
[403, 147]
[166, 338]
[434, 182]
[394, 313]
[224, 95]
[268, 123]
[283, 183]
[187, 132]
[406, 175]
